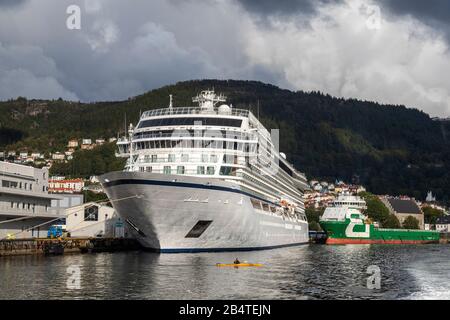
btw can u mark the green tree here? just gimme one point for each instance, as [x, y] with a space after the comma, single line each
[313, 216]
[323, 136]
[90, 196]
[411, 223]
[314, 226]
[376, 210]
[431, 214]
[85, 163]
[392, 222]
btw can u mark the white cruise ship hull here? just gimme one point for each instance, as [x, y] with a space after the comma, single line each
[174, 213]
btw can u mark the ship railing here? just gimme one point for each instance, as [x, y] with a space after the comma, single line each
[192, 110]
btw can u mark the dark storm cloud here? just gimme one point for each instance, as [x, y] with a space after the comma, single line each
[437, 10]
[435, 13]
[283, 7]
[123, 50]
[11, 3]
[120, 50]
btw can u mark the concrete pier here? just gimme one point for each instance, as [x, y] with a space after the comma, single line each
[69, 245]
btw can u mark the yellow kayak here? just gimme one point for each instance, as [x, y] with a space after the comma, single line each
[237, 265]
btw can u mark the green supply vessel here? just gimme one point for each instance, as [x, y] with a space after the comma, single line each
[345, 223]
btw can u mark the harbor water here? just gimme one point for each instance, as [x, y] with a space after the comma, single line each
[304, 272]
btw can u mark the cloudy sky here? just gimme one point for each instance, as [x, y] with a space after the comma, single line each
[392, 51]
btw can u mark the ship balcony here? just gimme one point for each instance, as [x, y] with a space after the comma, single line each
[192, 110]
[208, 172]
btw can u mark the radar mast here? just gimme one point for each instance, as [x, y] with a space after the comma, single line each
[208, 99]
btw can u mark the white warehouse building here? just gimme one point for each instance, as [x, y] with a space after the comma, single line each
[94, 220]
[25, 204]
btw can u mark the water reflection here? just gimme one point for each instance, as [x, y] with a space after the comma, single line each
[306, 272]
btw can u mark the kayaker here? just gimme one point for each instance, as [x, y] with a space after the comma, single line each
[237, 261]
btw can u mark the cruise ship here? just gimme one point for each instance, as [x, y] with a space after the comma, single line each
[207, 178]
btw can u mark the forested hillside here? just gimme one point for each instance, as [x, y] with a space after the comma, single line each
[390, 149]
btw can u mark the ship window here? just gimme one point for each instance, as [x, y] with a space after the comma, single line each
[154, 157]
[213, 158]
[198, 229]
[225, 171]
[9, 184]
[210, 170]
[184, 158]
[171, 158]
[265, 206]
[180, 170]
[141, 169]
[200, 170]
[273, 209]
[148, 169]
[223, 122]
[167, 170]
[204, 158]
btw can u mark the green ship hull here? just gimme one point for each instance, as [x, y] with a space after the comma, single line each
[348, 232]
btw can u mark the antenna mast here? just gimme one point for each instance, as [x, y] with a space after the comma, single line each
[170, 102]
